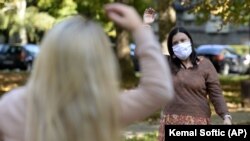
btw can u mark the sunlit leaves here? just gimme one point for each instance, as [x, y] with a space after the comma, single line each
[230, 11]
[67, 8]
[42, 14]
[39, 20]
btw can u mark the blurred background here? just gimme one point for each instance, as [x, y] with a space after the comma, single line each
[220, 30]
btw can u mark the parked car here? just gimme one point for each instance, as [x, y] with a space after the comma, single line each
[247, 62]
[18, 56]
[1, 46]
[224, 58]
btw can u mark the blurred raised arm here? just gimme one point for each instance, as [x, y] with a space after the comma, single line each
[155, 88]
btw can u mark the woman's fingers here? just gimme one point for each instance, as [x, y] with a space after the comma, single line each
[123, 15]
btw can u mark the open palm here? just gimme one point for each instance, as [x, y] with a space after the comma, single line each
[149, 16]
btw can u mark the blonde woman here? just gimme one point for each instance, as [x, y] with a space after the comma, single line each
[72, 93]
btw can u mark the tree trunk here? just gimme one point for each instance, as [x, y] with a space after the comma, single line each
[5, 36]
[245, 93]
[20, 36]
[167, 19]
[128, 77]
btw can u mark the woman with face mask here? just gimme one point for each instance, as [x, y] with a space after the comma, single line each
[195, 82]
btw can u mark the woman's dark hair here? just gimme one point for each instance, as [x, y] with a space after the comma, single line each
[176, 62]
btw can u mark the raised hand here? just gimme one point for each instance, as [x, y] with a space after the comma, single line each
[149, 16]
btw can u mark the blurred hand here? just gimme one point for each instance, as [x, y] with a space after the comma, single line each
[123, 15]
[227, 121]
[149, 16]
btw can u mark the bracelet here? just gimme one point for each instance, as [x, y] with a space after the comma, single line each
[228, 116]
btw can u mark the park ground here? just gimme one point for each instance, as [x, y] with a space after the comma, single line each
[147, 130]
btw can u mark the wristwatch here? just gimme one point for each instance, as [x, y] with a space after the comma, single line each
[227, 116]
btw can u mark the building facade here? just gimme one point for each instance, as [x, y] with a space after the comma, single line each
[211, 31]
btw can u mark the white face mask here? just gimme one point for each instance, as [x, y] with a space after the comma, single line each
[183, 50]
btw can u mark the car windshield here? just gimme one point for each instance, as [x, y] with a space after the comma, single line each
[232, 50]
[34, 49]
[1, 47]
[14, 49]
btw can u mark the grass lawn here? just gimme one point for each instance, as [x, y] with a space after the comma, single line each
[231, 86]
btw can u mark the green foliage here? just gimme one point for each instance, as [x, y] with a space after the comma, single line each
[91, 8]
[241, 49]
[39, 15]
[4, 21]
[230, 11]
[51, 11]
[67, 8]
[232, 89]
[233, 79]
[58, 8]
[141, 5]
[8, 16]
[151, 136]
[38, 20]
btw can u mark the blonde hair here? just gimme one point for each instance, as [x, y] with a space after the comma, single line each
[74, 85]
